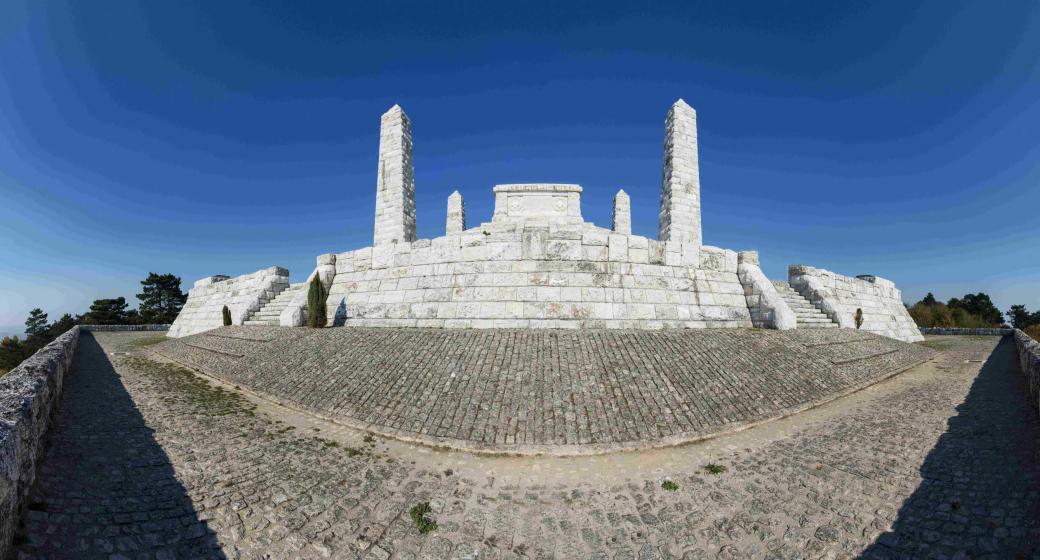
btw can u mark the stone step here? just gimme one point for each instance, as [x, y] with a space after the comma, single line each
[807, 315]
[254, 323]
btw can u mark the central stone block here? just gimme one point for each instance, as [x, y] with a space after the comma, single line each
[558, 203]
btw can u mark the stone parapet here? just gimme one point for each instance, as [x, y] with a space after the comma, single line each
[242, 295]
[1029, 359]
[125, 328]
[840, 296]
[29, 395]
[966, 332]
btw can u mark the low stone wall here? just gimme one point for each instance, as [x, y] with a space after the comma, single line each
[243, 295]
[969, 332]
[29, 394]
[1029, 359]
[122, 328]
[840, 296]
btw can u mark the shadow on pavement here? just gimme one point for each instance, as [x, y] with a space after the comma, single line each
[980, 494]
[106, 487]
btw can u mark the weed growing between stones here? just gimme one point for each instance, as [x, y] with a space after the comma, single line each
[422, 523]
[145, 341]
[714, 468]
[669, 486]
[185, 386]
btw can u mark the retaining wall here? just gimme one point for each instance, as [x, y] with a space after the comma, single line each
[243, 295]
[538, 275]
[121, 328]
[29, 395]
[1029, 359]
[840, 296]
[969, 332]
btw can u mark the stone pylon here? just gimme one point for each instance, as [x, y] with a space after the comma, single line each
[680, 217]
[395, 190]
[456, 214]
[622, 213]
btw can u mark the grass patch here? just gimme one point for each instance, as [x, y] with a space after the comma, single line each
[353, 451]
[669, 486]
[713, 468]
[419, 514]
[143, 341]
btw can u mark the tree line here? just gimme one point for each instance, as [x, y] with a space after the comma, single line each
[161, 300]
[973, 311]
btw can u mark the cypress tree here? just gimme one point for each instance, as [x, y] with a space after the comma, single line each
[316, 303]
[227, 316]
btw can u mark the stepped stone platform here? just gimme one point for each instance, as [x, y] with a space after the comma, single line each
[556, 392]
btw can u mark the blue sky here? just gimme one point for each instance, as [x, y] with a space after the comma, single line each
[893, 138]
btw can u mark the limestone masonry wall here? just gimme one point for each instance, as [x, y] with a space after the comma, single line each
[531, 274]
[29, 394]
[839, 297]
[242, 294]
[1029, 357]
[768, 310]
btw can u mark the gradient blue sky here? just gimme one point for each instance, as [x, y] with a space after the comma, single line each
[893, 138]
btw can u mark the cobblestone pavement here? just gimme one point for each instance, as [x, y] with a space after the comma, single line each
[560, 392]
[152, 461]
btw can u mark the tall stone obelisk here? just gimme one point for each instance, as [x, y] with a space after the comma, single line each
[395, 194]
[680, 217]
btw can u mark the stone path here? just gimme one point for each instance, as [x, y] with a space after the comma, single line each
[546, 391]
[151, 461]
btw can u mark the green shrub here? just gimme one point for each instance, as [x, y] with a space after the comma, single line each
[669, 486]
[715, 468]
[422, 523]
[859, 317]
[227, 316]
[316, 303]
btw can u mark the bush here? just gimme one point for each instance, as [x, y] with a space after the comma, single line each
[1033, 331]
[227, 316]
[859, 317]
[316, 296]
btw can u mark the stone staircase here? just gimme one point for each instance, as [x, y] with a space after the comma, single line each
[268, 314]
[808, 316]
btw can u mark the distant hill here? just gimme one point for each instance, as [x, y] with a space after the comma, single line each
[12, 330]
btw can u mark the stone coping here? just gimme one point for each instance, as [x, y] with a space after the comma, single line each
[29, 395]
[545, 392]
[966, 332]
[120, 328]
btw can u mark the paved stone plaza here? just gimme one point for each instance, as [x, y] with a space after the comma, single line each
[149, 460]
[545, 391]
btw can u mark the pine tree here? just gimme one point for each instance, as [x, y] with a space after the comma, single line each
[161, 298]
[227, 316]
[36, 324]
[316, 303]
[107, 312]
